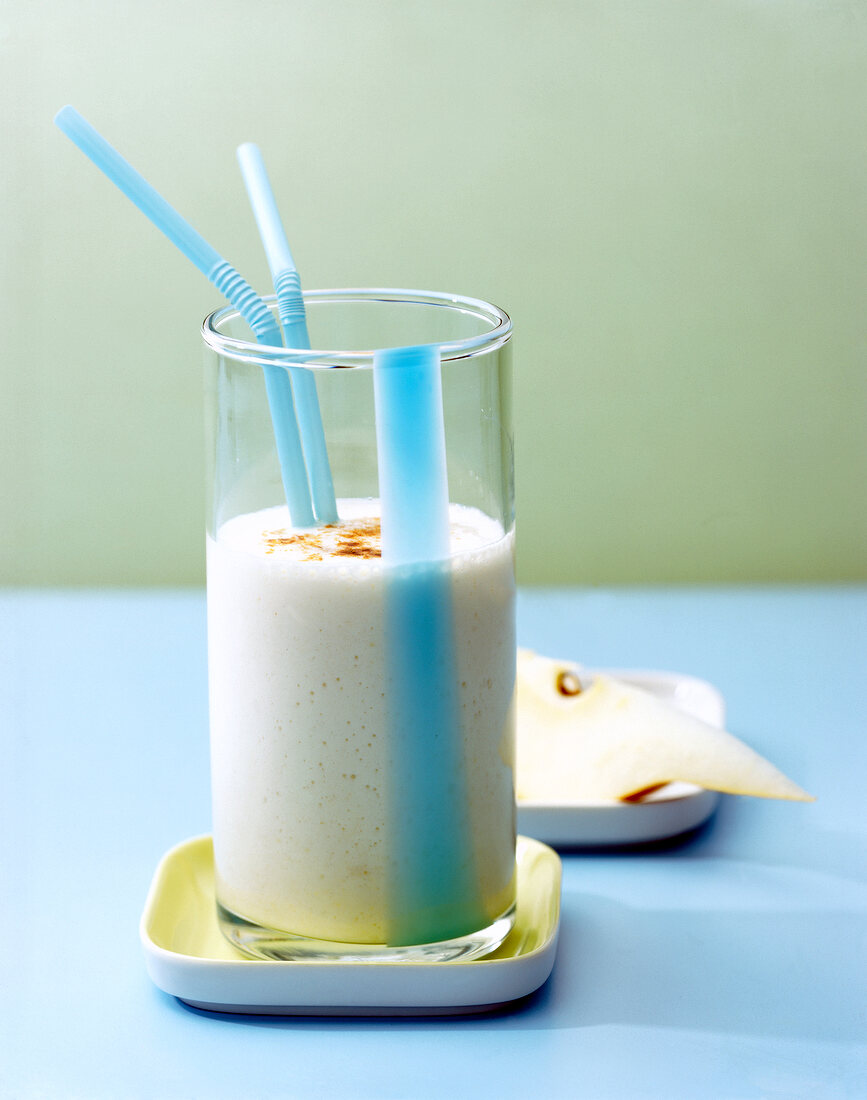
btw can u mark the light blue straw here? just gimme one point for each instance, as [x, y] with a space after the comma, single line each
[411, 455]
[433, 892]
[290, 305]
[229, 283]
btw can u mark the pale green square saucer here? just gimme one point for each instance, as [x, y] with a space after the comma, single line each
[187, 956]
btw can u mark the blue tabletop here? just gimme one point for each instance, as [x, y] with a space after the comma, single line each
[731, 964]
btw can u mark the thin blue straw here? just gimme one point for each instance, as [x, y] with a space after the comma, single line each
[433, 891]
[290, 305]
[229, 283]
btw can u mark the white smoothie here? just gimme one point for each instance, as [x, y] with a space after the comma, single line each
[300, 751]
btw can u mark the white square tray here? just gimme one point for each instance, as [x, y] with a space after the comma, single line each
[188, 957]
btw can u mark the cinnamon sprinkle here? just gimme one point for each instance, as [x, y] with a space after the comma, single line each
[361, 539]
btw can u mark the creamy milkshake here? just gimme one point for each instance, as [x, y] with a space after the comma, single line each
[303, 753]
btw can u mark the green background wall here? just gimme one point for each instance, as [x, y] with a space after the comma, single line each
[667, 196]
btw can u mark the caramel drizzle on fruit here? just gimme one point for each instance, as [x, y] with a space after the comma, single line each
[639, 796]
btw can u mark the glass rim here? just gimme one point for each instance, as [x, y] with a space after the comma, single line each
[248, 351]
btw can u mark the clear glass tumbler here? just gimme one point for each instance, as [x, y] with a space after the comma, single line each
[349, 822]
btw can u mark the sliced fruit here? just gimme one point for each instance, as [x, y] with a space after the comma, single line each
[585, 737]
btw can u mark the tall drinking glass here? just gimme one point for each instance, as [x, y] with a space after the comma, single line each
[348, 821]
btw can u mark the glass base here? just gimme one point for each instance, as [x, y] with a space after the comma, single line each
[261, 942]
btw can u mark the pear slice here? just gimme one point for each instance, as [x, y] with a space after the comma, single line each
[590, 738]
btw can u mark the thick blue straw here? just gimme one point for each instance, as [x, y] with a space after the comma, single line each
[433, 892]
[411, 455]
[229, 283]
[290, 306]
